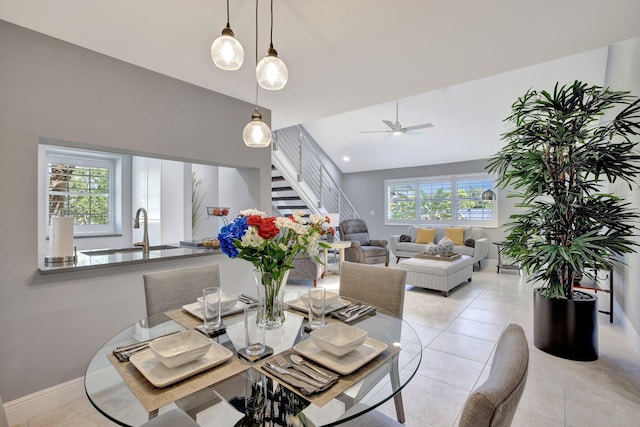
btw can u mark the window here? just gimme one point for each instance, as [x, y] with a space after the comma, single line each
[82, 185]
[449, 199]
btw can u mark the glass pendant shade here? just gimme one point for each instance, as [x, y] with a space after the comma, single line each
[256, 133]
[227, 52]
[271, 72]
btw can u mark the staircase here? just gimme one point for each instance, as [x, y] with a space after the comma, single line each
[299, 179]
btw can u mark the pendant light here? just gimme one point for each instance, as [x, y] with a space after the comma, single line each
[256, 133]
[271, 71]
[227, 52]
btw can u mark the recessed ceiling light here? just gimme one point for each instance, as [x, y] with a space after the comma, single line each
[346, 158]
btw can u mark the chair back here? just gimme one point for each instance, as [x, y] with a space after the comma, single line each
[166, 290]
[354, 229]
[375, 284]
[3, 417]
[494, 402]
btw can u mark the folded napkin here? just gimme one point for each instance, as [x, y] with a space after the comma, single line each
[123, 353]
[353, 317]
[302, 386]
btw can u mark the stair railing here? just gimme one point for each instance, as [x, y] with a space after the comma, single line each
[291, 149]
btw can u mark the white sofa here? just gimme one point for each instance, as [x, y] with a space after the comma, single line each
[408, 249]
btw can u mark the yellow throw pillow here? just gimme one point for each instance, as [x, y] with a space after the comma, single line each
[456, 235]
[426, 235]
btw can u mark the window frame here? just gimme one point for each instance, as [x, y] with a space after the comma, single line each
[110, 161]
[454, 181]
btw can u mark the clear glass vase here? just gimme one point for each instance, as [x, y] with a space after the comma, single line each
[271, 288]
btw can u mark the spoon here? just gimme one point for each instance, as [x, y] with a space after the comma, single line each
[300, 361]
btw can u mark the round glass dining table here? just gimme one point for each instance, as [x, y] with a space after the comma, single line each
[228, 402]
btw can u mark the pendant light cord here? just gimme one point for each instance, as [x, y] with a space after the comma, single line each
[228, 26]
[256, 51]
[271, 31]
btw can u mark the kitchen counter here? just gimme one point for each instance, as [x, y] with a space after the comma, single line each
[90, 259]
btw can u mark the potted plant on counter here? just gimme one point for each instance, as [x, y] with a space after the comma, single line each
[564, 149]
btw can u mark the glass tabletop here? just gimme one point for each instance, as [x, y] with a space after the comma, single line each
[229, 402]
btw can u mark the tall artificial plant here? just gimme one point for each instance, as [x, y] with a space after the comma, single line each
[558, 158]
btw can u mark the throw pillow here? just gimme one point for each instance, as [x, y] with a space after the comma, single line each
[470, 242]
[456, 235]
[405, 238]
[425, 235]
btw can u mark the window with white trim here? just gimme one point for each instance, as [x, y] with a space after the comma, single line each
[455, 200]
[82, 185]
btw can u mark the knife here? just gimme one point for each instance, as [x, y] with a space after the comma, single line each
[360, 313]
[294, 374]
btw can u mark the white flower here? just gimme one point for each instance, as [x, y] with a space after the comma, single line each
[316, 219]
[251, 238]
[249, 212]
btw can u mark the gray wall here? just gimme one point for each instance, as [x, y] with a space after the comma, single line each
[623, 73]
[51, 325]
[366, 190]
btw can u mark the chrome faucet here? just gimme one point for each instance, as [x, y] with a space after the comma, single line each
[145, 238]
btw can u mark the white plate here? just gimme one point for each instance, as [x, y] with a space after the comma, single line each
[298, 304]
[161, 376]
[196, 309]
[346, 364]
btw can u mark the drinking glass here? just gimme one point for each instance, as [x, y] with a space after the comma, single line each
[316, 307]
[254, 317]
[211, 303]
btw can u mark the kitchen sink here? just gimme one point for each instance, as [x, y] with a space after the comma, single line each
[126, 250]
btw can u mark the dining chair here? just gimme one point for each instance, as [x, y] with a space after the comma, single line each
[173, 418]
[384, 288]
[169, 289]
[3, 417]
[494, 402]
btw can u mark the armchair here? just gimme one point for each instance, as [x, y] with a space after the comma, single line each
[363, 250]
[305, 267]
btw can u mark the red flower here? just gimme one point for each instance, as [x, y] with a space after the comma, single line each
[267, 228]
[254, 220]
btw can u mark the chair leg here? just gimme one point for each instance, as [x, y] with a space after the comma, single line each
[395, 383]
[315, 282]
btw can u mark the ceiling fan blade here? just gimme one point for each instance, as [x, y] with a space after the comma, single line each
[388, 136]
[390, 124]
[375, 131]
[412, 133]
[422, 126]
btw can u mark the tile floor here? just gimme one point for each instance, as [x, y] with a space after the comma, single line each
[458, 334]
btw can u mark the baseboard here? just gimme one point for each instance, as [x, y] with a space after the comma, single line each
[628, 326]
[23, 408]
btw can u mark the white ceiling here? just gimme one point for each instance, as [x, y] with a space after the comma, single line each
[350, 60]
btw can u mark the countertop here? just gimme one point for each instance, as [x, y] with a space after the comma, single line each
[85, 261]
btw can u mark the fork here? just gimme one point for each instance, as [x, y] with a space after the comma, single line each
[282, 362]
[345, 312]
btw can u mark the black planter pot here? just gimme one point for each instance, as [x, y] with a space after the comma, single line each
[566, 328]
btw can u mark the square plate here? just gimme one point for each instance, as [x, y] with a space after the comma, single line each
[298, 305]
[161, 376]
[196, 309]
[346, 364]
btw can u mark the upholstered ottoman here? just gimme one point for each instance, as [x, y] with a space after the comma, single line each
[438, 275]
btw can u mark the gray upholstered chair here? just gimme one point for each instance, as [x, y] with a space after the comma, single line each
[3, 417]
[384, 288]
[166, 290]
[494, 402]
[363, 250]
[305, 267]
[172, 418]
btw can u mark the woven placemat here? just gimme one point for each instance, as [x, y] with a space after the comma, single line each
[184, 318]
[153, 398]
[344, 382]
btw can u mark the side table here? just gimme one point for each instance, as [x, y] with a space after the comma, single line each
[341, 246]
[501, 264]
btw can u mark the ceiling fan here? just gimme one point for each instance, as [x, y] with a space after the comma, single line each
[397, 129]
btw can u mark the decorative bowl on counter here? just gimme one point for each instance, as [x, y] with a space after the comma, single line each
[181, 348]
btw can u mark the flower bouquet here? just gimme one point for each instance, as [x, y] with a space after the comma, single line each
[270, 244]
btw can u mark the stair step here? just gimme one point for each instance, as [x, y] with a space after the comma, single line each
[282, 188]
[292, 207]
[283, 198]
[277, 178]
